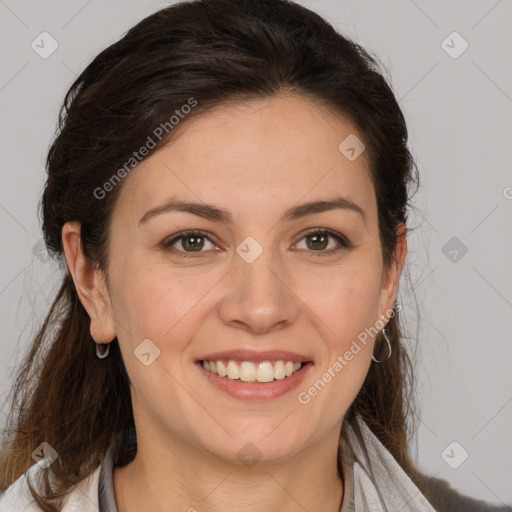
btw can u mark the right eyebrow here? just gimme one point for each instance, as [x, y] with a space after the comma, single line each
[207, 211]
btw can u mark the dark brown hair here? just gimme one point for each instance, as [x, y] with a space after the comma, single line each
[216, 52]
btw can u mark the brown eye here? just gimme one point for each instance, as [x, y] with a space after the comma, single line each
[187, 243]
[324, 242]
[317, 241]
[192, 242]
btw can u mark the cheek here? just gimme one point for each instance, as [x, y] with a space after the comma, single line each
[347, 303]
[160, 303]
[346, 300]
[348, 310]
[166, 310]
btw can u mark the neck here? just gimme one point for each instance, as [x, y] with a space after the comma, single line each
[188, 479]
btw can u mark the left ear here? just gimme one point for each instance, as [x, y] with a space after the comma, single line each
[391, 275]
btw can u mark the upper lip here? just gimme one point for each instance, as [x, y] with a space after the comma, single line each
[255, 356]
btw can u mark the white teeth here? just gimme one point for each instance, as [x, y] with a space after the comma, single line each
[265, 372]
[247, 371]
[233, 370]
[279, 372]
[221, 368]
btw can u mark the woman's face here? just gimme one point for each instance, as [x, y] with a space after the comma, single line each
[256, 279]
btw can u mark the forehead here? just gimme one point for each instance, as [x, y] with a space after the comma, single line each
[258, 156]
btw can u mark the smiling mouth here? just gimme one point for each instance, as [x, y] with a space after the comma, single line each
[247, 371]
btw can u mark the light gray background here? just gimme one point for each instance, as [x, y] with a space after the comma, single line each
[459, 116]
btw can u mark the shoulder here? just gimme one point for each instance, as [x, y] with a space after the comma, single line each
[379, 477]
[17, 497]
[446, 499]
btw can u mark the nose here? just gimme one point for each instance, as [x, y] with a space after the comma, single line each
[258, 298]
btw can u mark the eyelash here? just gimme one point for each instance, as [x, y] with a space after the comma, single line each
[343, 241]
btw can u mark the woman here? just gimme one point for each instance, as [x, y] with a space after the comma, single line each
[228, 195]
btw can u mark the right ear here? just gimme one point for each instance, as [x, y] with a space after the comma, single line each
[90, 284]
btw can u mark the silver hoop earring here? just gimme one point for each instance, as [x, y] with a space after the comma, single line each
[105, 354]
[388, 341]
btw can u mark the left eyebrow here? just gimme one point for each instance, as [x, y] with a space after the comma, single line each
[211, 212]
[313, 207]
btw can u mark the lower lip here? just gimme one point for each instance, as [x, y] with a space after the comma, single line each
[256, 390]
